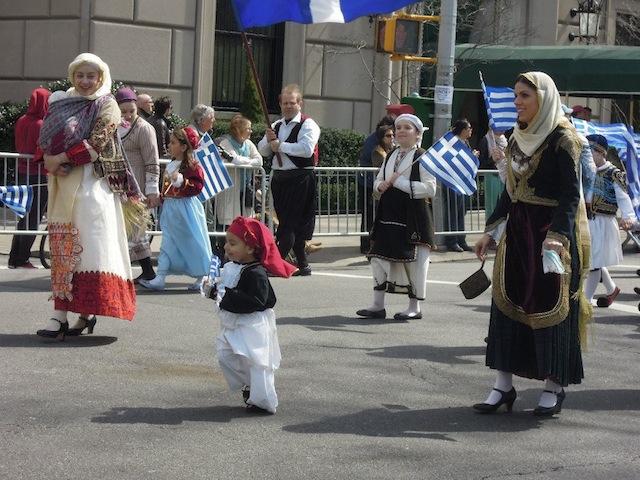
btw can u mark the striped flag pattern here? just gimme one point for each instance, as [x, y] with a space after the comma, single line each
[18, 198]
[214, 268]
[626, 143]
[216, 176]
[500, 108]
[453, 163]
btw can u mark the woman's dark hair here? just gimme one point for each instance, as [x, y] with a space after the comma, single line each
[161, 105]
[381, 132]
[460, 125]
[522, 79]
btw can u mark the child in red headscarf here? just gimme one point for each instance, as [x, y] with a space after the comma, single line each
[247, 346]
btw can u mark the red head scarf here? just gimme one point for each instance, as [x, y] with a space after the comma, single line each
[258, 237]
[192, 135]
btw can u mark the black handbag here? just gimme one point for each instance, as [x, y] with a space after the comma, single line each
[475, 284]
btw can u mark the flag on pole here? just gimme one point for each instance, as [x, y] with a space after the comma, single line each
[216, 176]
[18, 198]
[453, 163]
[623, 139]
[501, 111]
[261, 13]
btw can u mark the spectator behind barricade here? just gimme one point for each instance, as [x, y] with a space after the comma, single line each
[202, 119]
[145, 105]
[239, 199]
[538, 312]
[27, 131]
[493, 185]
[402, 236]
[583, 113]
[365, 179]
[456, 204]
[609, 195]
[160, 122]
[293, 139]
[139, 143]
[185, 248]
[247, 347]
[94, 200]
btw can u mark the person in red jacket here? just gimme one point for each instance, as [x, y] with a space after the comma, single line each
[185, 247]
[30, 172]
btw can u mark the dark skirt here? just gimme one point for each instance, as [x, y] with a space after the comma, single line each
[513, 346]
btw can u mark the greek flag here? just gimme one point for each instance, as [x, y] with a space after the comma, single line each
[260, 13]
[626, 143]
[18, 198]
[216, 176]
[453, 163]
[500, 108]
[214, 268]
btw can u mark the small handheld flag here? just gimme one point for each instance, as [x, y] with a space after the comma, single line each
[500, 108]
[18, 198]
[216, 176]
[214, 268]
[453, 163]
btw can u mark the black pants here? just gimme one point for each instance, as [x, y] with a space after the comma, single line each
[294, 199]
[365, 205]
[454, 217]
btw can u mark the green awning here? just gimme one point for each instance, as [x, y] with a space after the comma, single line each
[593, 70]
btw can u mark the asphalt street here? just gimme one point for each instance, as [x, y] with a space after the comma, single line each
[359, 399]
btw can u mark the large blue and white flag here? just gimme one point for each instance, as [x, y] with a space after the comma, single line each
[453, 163]
[216, 176]
[622, 138]
[501, 111]
[18, 198]
[261, 13]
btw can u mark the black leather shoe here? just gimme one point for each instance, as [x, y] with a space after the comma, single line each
[466, 248]
[455, 248]
[507, 399]
[411, 316]
[302, 272]
[550, 411]
[372, 313]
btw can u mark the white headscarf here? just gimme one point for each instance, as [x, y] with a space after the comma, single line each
[97, 63]
[549, 115]
[415, 121]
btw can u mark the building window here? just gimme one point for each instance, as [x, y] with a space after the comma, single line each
[230, 64]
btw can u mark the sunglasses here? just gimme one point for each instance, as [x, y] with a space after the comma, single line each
[388, 135]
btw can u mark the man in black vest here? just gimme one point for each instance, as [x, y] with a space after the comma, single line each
[292, 141]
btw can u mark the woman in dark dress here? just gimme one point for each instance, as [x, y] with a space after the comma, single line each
[538, 319]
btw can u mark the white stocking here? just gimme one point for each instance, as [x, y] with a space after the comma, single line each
[591, 283]
[504, 382]
[607, 281]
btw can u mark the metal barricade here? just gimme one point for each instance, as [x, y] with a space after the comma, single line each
[341, 201]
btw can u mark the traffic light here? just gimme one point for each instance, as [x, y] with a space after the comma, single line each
[399, 35]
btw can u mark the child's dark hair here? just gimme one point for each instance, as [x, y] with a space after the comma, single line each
[187, 159]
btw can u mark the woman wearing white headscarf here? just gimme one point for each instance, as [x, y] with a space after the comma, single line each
[89, 182]
[538, 320]
[403, 231]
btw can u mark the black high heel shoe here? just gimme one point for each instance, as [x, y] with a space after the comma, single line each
[89, 324]
[550, 411]
[58, 334]
[507, 399]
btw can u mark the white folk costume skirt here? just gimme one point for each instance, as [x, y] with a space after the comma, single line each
[248, 349]
[185, 248]
[102, 280]
[403, 277]
[606, 248]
